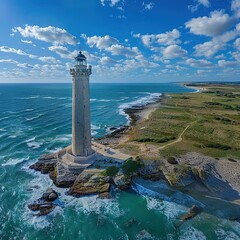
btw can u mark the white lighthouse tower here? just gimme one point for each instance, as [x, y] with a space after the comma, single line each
[81, 155]
[81, 123]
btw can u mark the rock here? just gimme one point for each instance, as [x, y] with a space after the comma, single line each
[62, 178]
[90, 182]
[194, 210]
[34, 206]
[172, 160]
[44, 166]
[45, 209]
[105, 195]
[50, 195]
[151, 172]
[122, 181]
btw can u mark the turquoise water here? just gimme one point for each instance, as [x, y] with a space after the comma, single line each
[35, 119]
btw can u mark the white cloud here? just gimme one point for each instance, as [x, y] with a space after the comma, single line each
[47, 34]
[237, 44]
[100, 42]
[167, 38]
[123, 51]
[216, 24]
[236, 55]
[199, 63]
[148, 6]
[8, 61]
[224, 63]
[63, 52]
[16, 51]
[113, 3]
[195, 7]
[173, 51]
[52, 60]
[106, 60]
[26, 41]
[208, 49]
[24, 65]
[235, 6]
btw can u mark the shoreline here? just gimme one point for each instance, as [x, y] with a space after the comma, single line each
[135, 115]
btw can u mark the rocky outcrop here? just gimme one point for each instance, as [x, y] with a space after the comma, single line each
[122, 181]
[151, 172]
[194, 211]
[62, 178]
[44, 205]
[90, 181]
[44, 165]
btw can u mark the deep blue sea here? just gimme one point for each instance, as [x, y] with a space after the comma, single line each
[36, 119]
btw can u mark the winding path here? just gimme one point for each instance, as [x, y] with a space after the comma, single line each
[177, 140]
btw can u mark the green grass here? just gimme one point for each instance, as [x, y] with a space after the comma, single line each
[214, 117]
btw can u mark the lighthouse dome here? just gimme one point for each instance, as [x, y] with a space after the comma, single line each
[81, 59]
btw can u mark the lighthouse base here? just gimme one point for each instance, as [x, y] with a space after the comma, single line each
[76, 163]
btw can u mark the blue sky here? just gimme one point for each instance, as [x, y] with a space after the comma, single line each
[124, 40]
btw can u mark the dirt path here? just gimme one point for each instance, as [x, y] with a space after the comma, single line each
[177, 140]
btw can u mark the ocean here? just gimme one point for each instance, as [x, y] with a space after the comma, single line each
[36, 119]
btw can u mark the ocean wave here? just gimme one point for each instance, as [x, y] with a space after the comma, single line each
[142, 101]
[35, 117]
[226, 234]
[3, 118]
[34, 144]
[12, 162]
[191, 233]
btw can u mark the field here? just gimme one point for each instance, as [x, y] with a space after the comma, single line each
[207, 122]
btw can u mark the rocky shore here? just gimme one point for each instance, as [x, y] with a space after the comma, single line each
[193, 173]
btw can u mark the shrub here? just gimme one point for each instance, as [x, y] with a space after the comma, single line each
[130, 167]
[111, 171]
[217, 145]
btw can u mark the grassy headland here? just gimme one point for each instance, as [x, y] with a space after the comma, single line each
[207, 122]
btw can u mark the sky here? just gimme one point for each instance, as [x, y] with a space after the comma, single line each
[123, 40]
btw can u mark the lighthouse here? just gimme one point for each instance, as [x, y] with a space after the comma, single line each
[81, 154]
[81, 123]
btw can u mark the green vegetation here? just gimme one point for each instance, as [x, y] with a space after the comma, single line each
[212, 118]
[130, 167]
[110, 171]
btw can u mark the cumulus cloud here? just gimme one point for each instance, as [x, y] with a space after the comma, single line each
[51, 60]
[173, 51]
[194, 8]
[123, 51]
[208, 49]
[199, 63]
[100, 42]
[47, 34]
[168, 38]
[26, 41]
[113, 3]
[235, 6]
[16, 51]
[63, 52]
[218, 23]
[224, 63]
[237, 44]
[148, 6]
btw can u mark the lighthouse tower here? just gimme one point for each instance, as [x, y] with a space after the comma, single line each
[81, 154]
[81, 123]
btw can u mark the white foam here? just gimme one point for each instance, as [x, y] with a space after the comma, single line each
[191, 233]
[35, 117]
[15, 161]
[30, 140]
[34, 144]
[150, 98]
[226, 235]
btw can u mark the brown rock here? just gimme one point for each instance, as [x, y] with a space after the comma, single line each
[194, 211]
[122, 181]
[90, 182]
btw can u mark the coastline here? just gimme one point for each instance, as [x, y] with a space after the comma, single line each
[200, 190]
